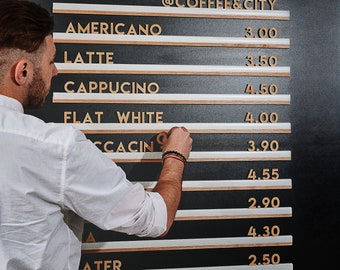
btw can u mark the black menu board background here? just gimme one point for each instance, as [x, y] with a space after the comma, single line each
[313, 57]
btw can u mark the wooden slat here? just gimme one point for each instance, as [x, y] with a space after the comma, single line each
[61, 97]
[234, 213]
[156, 69]
[281, 266]
[185, 244]
[135, 10]
[201, 128]
[196, 41]
[210, 185]
[209, 156]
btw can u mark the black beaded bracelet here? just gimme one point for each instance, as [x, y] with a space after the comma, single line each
[175, 153]
[174, 157]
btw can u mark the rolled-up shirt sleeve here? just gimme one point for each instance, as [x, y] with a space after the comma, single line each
[139, 204]
[160, 217]
[97, 190]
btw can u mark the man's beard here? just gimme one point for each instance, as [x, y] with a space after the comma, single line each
[37, 91]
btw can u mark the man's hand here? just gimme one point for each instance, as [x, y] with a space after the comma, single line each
[178, 139]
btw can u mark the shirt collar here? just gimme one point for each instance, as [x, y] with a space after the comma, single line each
[11, 103]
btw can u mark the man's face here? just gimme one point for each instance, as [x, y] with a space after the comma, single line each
[39, 87]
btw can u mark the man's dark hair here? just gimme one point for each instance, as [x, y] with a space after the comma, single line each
[23, 25]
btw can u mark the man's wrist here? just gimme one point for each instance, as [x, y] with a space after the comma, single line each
[175, 155]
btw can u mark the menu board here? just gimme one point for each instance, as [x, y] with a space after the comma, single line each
[131, 70]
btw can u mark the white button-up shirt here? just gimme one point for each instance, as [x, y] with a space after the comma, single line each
[52, 179]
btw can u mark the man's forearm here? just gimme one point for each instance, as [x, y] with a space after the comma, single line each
[169, 186]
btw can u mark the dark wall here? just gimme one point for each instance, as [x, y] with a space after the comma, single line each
[315, 132]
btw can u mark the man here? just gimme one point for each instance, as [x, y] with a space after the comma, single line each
[51, 176]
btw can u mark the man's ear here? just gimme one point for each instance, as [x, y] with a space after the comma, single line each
[21, 72]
